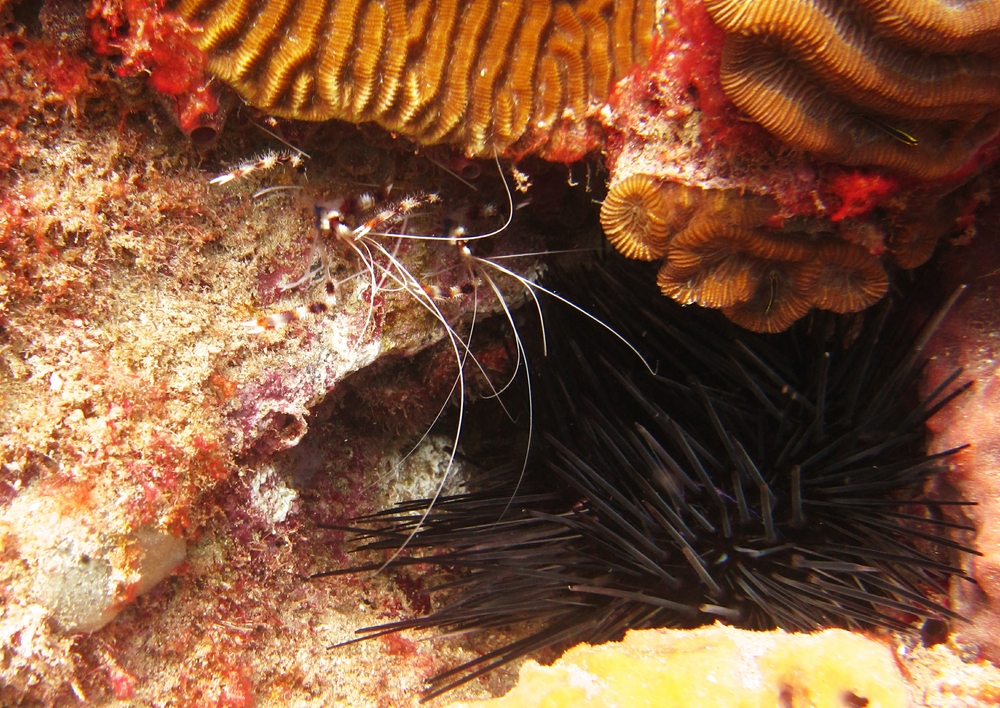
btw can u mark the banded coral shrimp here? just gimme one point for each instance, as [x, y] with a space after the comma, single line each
[423, 247]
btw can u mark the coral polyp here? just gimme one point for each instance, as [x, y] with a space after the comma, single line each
[850, 280]
[479, 74]
[762, 280]
[635, 219]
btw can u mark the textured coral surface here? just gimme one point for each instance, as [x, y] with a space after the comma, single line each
[722, 251]
[914, 91]
[480, 74]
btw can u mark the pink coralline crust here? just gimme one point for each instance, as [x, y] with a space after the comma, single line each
[132, 392]
[567, 141]
[157, 42]
[692, 46]
[970, 338]
[135, 455]
[122, 683]
[262, 413]
[270, 414]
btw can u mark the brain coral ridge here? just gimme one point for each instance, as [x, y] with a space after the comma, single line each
[910, 85]
[718, 252]
[479, 74]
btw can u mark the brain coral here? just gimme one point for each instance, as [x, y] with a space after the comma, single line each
[912, 86]
[478, 74]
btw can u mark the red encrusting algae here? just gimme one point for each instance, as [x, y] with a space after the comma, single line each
[150, 40]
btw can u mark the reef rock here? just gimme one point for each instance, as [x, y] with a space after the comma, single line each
[970, 338]
[133, 393]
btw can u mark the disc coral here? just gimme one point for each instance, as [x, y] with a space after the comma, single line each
[479, 74]
[635, 219]
[770, 481]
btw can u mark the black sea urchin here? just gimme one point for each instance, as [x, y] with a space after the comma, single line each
[767, 481]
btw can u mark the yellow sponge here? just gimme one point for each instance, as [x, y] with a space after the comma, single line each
[714, 667]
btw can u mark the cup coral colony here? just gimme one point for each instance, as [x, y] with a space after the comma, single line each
[777, 159]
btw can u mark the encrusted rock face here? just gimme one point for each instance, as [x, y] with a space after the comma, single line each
[140, 416]
[715, 667]
[970, 339]
[723, 667]
[81, 575]
[147, 434]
